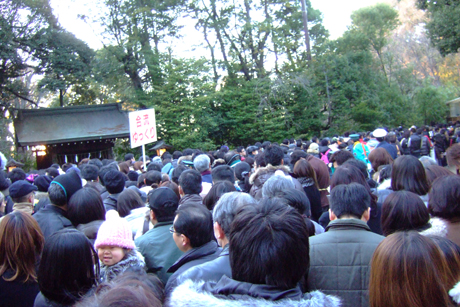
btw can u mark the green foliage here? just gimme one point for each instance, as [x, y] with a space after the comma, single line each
[444, 25]
[431, 106]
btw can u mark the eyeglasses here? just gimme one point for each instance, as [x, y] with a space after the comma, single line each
[171, 230]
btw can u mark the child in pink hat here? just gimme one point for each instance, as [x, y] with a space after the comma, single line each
[115, 247]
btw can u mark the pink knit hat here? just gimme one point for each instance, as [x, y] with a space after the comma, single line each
[115, 231]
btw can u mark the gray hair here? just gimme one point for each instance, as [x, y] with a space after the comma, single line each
[2, 197]
[201, 163]
[276, 184]
[227, 206]
[427, 161]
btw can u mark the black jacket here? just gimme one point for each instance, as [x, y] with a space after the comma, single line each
[17, 293]
[195, 256]
[51, 219]
[209, 271]
[110, 203]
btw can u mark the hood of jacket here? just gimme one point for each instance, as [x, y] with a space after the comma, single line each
[231, 293]
[262, 174]
[133, 260]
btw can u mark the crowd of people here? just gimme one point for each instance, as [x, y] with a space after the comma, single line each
[361, 219]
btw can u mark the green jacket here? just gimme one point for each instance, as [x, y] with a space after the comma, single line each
[159, 250]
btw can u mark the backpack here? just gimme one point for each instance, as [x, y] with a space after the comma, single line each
[324, 157]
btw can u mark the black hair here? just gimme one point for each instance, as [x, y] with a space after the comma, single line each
[57, 195]
[341, 156]
[217, 190]
[89, 172]
[324, 142]
[85, 206]
[96, 162]
[260, 159]
[285, 142]
[273, 155]
[221, 173]
[269, 245]
[187, 152]
[177, 172]
[296, 199]
[239, 149]
[231, 157]
[177, 155]
[153, 166]
[403, 211]
[133, 175]
[129, 156]
[360, 165]
[194, 222]
[16, 174]
[67, 267]
[444, 197]
[127, 201]
[297, 155]
[351, 199]
[409, 174]
[190, 182]
[65, 167]
[152, 177]
[52, 172]
[104, 170]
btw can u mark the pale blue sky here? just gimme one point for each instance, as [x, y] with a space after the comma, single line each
[336, 17]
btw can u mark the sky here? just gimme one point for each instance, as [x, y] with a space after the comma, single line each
[336, 17]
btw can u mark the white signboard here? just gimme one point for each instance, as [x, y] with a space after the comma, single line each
[142, 127]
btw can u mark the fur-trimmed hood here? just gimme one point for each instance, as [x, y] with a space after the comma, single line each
[192, 294]
[263, 173]
[438, 228]
[133, 260]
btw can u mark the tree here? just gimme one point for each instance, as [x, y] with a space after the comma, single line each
[431, 104]
[66, 62]
[444, 25]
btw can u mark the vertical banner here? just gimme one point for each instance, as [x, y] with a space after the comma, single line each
[142, 127]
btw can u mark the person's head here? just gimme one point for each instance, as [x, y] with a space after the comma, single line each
[155, 166]
[177, 172]
[408, 269]
[409, 174]
[349, 201]
[68, 268]
[130, 157]
[402, 211]
[241, 151]
[202, 163]
[190, 182]
[52, 172]
[453, 156]
[297, 155]
[435, 171]
[276, 184]
[22, 191]
[224, 212]
[269, 245]
[172, 186]
[296, 199]
[152, 177]
[192, 227]
[426, 161]
[85, 206]
[114, 239]
[114, 181]
[242, 169]
[63, 187]
[216, 192]
[43, 183]
[444, 197]
[221, 173]
[21, 243]
[259, 160]
[124, 166]
[451, 252]
[273, 155]
[95, 162]
[339, 157]
[127, 201]
[16, 174]
[303, 169]
[163, 203]
[379, 156]
[89, 172]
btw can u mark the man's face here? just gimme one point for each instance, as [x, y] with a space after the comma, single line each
[242, 152]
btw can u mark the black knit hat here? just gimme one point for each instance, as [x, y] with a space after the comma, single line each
[70, 183]
[43, 183]
[114, 181]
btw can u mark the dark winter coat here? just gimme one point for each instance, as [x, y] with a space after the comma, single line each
[390, 148]
[51, 219]
[191, 258]
[322, 176]
[110, 203]
[90, 229]
[340, 261]
[209, 271]
[17, 293]
[314, 196]
[231, 293]
[191, 199]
